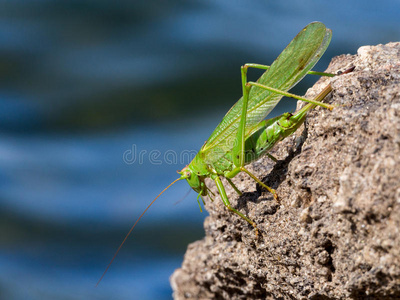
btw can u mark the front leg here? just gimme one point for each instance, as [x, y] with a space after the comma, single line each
[225, 200]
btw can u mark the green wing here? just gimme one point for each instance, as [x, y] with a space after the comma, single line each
[286, 71]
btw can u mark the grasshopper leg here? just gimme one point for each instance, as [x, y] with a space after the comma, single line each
[234, 186]
[226, 202]
[290, 95]
[238, 150]
[272, 191]
[272, 157]
[237, 170]
[265, 67]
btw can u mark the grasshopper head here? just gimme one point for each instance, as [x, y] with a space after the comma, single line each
[195, 181]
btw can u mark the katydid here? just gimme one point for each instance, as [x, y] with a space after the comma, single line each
[243, 134]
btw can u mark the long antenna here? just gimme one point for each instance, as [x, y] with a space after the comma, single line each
[126, 237]
[184, 197]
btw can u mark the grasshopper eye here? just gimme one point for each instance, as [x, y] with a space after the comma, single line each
[188, 174]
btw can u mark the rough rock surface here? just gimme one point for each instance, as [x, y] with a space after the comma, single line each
[335, 233]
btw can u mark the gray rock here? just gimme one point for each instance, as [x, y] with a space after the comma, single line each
[335, 232]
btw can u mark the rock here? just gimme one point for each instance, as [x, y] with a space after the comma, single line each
[335, 232]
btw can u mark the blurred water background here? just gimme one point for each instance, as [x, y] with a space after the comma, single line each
[88, 85]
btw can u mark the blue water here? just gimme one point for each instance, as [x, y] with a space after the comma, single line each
[100, 103]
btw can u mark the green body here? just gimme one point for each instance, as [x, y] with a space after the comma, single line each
[244, 135]
[259, 141]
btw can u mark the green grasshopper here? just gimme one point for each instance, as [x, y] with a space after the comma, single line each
[243, 134]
